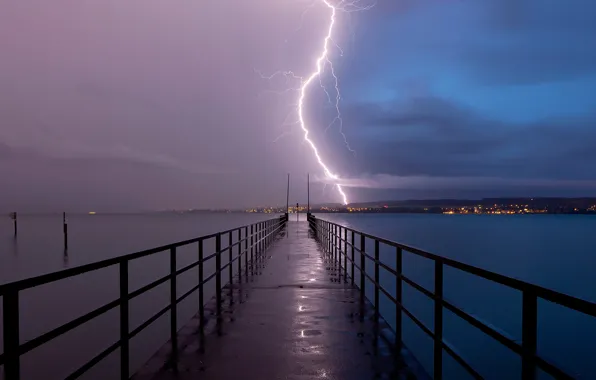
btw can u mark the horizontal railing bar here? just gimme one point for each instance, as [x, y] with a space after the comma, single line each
[371, 258]
[232, 245]
[148, 287]
[551, 369]
[187, 268]
[418, 287]
[387, 268]
[149, 321]
[372, 280]
[507, 342]
[562, 299]
[209, 278]
[248, 225]
[188, 293]
[417, 321]
[391, 298]
[36, 342]
[225, 266]
[207, 258]
[451, 351]
[91, 363]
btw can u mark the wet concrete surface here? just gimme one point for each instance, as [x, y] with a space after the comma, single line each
[293, 319]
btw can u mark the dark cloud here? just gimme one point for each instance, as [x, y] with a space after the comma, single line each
[435, 137]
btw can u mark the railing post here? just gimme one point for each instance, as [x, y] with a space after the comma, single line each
[362, 267]
[124, 320]
[246, 252]
[230, 268]
[529, 334]
[438, 330]
[239, 255]
[377, 280]
[328, 230]
[335, 245]
[339, 253]
[345, 254]
[398, 298]
[353, 250]
[252, 249]
[261, 240]
[10, 305]
[201, 293]
[173, 310]
[218, 274]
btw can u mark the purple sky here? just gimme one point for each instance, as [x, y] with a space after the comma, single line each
[151, 104]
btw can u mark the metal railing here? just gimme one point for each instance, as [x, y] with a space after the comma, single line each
[330, 237]
[260, 237]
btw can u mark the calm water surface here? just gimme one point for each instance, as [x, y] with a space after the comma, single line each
[550, 250]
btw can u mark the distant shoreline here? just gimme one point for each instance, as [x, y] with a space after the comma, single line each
[490, 206]
[411, 212]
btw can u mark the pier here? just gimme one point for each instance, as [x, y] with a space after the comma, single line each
[302, 301]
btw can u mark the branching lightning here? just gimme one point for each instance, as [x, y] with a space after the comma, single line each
[322, 61]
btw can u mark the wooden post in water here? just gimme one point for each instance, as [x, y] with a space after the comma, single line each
[65, 231]
[13, 215]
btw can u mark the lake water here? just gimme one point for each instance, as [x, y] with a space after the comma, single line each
[555, 251]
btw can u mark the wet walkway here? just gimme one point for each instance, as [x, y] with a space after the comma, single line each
[295, 321]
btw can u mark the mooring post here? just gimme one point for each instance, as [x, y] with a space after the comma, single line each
[13, 215]
[65, 231]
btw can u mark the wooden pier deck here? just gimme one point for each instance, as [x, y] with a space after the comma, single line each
[293, 320]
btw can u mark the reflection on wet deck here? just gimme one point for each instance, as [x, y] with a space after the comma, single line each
[292, 319]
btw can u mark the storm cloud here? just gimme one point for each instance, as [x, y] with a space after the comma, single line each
[153, 105]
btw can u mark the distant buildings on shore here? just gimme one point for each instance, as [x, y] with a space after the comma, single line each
[490, 206]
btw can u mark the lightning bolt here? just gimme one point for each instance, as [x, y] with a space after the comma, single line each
[321, 61]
